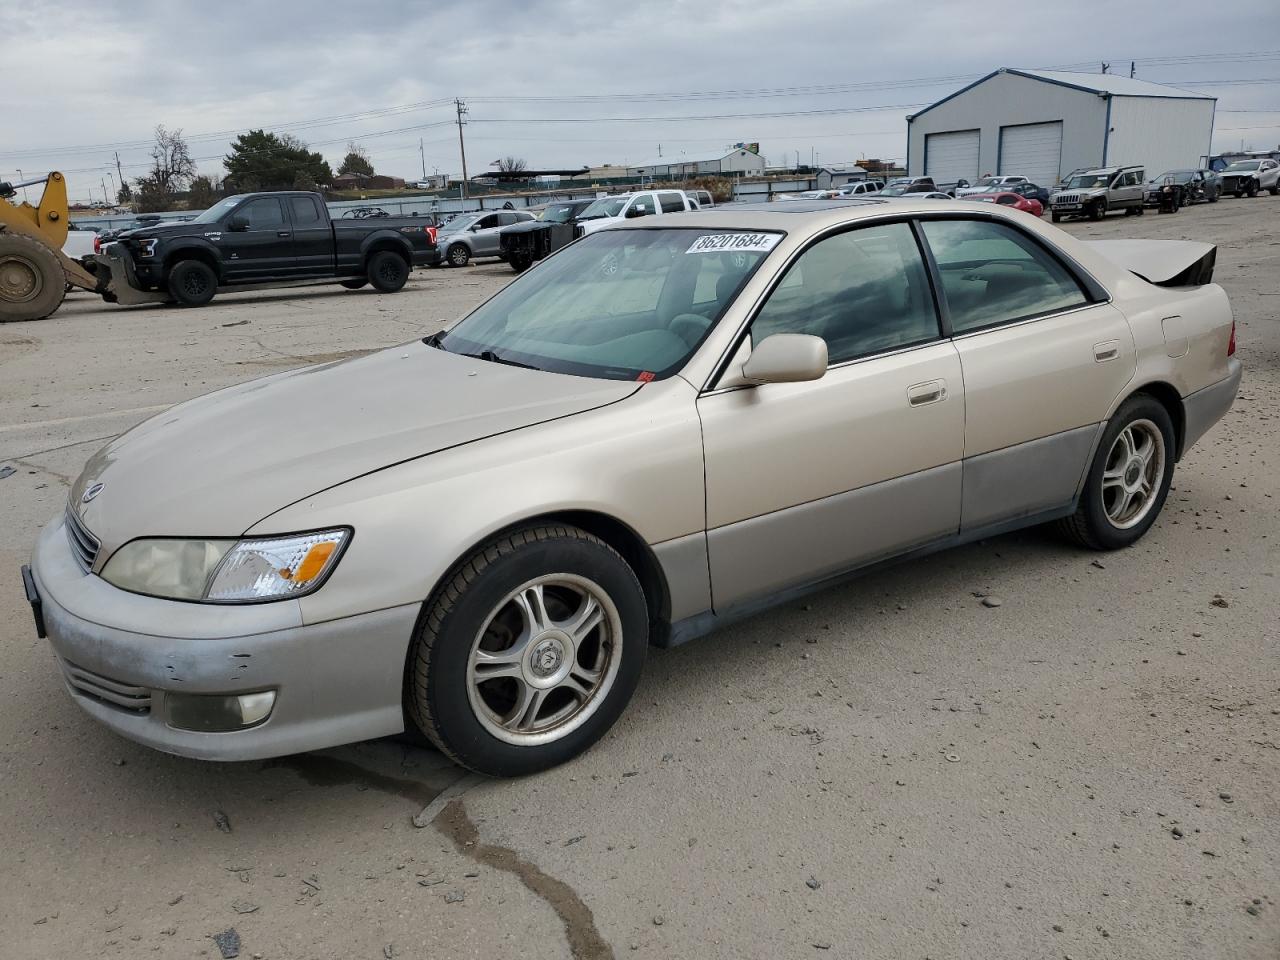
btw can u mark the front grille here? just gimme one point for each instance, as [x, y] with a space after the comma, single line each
[1066, 198]
[113, 693]
[84, 545]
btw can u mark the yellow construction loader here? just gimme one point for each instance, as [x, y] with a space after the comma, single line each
[34, 272]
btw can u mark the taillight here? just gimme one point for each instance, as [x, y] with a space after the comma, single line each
[1231, 344]
[431, 234]
[97, 243]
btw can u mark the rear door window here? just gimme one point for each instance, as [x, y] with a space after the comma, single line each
[993, 274]
[305, 210]
[671, 202]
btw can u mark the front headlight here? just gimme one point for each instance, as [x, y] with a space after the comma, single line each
[147, 248]
[227, 571]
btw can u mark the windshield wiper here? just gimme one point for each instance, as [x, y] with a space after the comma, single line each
[492, 357]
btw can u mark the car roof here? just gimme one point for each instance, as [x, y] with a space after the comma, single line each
[794, 214]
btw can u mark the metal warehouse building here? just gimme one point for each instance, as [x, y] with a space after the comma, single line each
[1043, 124]
[735, 161]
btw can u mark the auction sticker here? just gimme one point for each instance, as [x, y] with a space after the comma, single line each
[735, 243]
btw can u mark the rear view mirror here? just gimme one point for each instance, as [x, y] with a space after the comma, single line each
[238, 224]
[787, 358]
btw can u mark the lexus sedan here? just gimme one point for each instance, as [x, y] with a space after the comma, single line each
[664, 426]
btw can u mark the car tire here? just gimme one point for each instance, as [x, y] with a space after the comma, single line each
[1056, 217]
[1097, 210]
[459, 255]
[192, 283]
[520, 262]
[1252, 189]
[1128, 480]
[1211, 197]
[355, 284]
[1275, 190]
[387, 271]
[502, 677]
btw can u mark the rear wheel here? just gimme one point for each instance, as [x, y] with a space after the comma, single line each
[1128, 480]
[32, 282]
[192, 283]
[387, 271]
[459, 255]
[529, 653]
[1275, 188]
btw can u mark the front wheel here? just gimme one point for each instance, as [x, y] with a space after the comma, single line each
[1057, 217]
[520, 262]
[1252, 189]
[387, 271]
[529, 653]
[192, 283]
[1097, 210]
[1128, 480]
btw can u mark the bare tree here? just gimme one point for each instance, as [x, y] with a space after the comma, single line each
[172, 169]
[512, 164]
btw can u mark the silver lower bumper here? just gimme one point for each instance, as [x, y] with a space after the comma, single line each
[1207, 406]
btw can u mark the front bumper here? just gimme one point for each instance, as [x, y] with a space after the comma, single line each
[123, 655]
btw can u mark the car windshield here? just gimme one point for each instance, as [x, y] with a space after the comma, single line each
[617, 305]
[894, 191]
[218, 210]
[988, 182]
[558, 213]
[1178, 176]
[1085, 180]
[604, 207]
[458, 224]
[1245, 165]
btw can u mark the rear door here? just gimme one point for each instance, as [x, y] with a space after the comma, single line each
[312, 237]
[1042, 364]
[262, 251]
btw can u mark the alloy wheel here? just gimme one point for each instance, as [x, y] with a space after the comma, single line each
[544, 660]
[1132, 476]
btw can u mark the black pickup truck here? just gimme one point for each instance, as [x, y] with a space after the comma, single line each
[257, 240]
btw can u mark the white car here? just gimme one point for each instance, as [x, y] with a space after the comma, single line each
[1250, 177]
[986, 182]
[861, 188]
[627, 206]
[79, 244]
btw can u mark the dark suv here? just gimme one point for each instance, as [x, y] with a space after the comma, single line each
[1191, 186]
[525, 243]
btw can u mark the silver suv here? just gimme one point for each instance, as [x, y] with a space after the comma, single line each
[1095, 193]
[471, 235]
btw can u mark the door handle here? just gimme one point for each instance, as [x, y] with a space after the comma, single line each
[931, 391]
[1107, 350]
[283, 233]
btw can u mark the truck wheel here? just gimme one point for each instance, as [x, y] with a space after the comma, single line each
[32, 284]
[355, 284]
[192, 283]
[459, 255]
[387, 271]
[520, 262]
[1097, 210]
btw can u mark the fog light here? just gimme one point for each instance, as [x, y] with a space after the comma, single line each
[218, 714]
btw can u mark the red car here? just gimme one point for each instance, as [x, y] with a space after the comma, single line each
[1007, 199]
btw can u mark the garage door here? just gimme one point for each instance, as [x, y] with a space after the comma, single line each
[949, 157]
[1033, 150]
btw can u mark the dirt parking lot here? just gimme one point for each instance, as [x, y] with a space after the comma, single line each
[888, 769]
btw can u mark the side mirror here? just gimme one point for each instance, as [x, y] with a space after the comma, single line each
[238, 224]
[633, 212]
[787, 358]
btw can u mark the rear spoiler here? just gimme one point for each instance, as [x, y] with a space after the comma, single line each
[1166, 263]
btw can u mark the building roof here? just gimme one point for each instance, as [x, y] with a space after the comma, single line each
[1104, 84]
[683, 158]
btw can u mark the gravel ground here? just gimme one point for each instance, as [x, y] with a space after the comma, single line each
[890, 769]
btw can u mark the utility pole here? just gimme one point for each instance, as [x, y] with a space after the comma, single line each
[103, 181]
[119, 172]
[1133, 68]
[424, 159]
[462, 147]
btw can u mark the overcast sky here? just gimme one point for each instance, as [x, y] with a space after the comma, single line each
[82, 80]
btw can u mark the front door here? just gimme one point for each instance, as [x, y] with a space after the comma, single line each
[1042, 366]
[264, 249]
[806, 480]
[312, 237]
[484, 235]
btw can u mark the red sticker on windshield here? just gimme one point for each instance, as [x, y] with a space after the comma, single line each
[646, 376]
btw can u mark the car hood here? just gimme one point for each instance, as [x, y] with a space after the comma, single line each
[167, 230]
[216, 465]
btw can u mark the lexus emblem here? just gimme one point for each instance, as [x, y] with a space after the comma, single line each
[92, 492]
